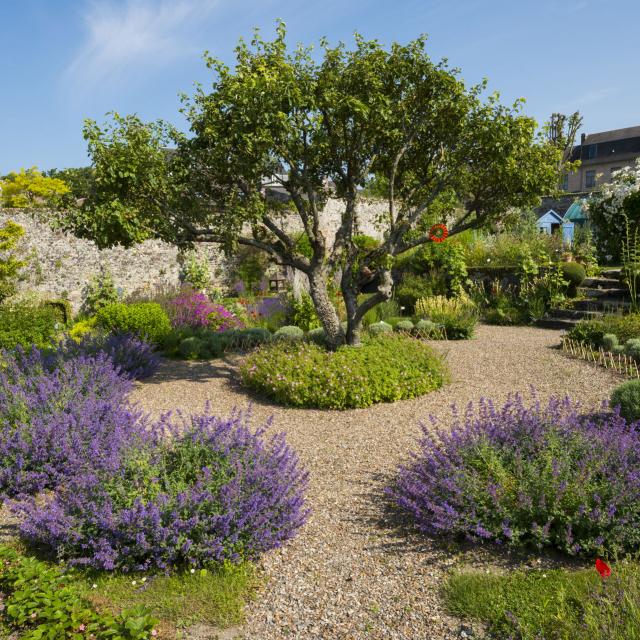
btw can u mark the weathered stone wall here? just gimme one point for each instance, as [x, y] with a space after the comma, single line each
[60, 264]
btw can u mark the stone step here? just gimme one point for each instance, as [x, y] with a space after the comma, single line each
[574, 314]
[556, 323]
[601, 283]
[619, 292]
[606, 304]
[611, 273]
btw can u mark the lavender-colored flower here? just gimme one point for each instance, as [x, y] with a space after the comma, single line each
[56, 423]
[204, 489]
[528, 475]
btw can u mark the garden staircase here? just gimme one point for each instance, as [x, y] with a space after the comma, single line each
[597, 296]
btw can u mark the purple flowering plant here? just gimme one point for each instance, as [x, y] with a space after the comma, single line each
[194, 310]
[202, 489]
[56, 422]
[539, 475]
[133, 357]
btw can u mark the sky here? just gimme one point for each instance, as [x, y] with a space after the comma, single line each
[62, 61]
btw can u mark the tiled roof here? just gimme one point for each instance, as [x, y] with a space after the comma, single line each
[610, 136]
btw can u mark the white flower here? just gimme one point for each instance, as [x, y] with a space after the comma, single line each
[94, 586]
[143, 580]
[134, 583]
[192, 571]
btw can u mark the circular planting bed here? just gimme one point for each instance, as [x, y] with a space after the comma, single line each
[383, 369]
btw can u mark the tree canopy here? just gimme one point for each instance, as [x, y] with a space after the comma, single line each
[30, 188]
[319, 126]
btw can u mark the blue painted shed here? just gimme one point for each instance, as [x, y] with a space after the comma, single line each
[550, 222]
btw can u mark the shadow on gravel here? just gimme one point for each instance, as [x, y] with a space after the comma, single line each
[193, 371]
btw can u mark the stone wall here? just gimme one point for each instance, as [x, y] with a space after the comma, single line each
[60, 264]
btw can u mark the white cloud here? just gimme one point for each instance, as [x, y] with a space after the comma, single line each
[126, 35]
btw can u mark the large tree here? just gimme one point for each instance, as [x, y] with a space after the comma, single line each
[320, 127]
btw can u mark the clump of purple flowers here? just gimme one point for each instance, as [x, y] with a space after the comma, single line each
[544, 476]
[133, 357]
[201, 490]
[195, 310]
[62, 421]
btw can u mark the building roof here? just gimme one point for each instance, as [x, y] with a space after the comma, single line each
[576, 212]
[610, 136]
[550, 215]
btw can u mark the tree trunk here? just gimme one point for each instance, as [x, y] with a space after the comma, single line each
[354, 322]
[327, 313]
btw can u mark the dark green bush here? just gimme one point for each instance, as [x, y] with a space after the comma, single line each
[40, 601]
[383, 369]
[191, 348]
[588, 331]
[147, 320]
[27, 324]
[202, 343]
[410, 290]
[574, 273]
[627, 397]
[62, 310]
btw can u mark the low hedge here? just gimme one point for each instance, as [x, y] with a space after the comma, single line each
[383, 369]
[26, 325]
[592, 332]
[146, 320]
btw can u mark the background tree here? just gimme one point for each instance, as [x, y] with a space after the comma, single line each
[10, 265]
[30, 188]
[439, 150]
[562, 132]
[80, 180]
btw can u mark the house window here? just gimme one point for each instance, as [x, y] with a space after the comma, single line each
[590, 179]
[592, 151]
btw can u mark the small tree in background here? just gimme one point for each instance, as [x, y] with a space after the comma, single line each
[319, 128]
[30, 188]
[10, 234]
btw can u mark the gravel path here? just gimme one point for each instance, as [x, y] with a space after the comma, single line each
[350, 574]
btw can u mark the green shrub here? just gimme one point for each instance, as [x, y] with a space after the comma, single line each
[609, 341]
[404, 325]
[574, 273]
[301, 312]
[382, 369]
[426, 326]
[289, 333]
[588, 331]
[618, 349]
[624, 327]
[383, 311]
[627, 397]
[457, 316]
[632, 348]
[410, 290]
[379, 328]
[41, 601]
[99, 292]
[147, 320]
[317, 336]
[61, 309]
[191, 348]
[248, 338]
[27, 324]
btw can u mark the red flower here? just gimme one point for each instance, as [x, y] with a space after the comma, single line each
[603, 568]
[438, 233]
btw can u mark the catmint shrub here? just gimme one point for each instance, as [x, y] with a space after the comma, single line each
[202, 490]
[538, 476]
[60, 422]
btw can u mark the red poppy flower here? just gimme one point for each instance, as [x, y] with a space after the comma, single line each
[603, 568]
[438, 233]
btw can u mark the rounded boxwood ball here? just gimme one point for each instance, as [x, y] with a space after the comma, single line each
[378, 328]
[627, 397]
[574, 274]
[404, 325]
[289, 333]
[609, 341]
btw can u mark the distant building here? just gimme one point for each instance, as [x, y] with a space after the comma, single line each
[554, 222]
[601, 154]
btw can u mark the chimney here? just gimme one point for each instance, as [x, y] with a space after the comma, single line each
[582, 137]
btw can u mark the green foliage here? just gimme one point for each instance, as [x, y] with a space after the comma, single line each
[30, 188]
[41, 601]
[627, 397]
[592, 332]
[202, 343]
[61, 309]
[10, 234]
[382, 369]
[382, 311]
[554, 604]
[251, 266]
[378, 328]
[631, 261]
[574, 273]
[301, 312]
[192, 348]
[147, 320]
[80, 180]
[411, 288]
[99, 292]
[458, 316]
[195, 271]
[27, 324]
[609, 341]
[289, 333]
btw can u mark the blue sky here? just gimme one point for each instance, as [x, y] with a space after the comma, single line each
[64, 60]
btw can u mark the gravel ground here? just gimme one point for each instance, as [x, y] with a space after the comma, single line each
[351, 574]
